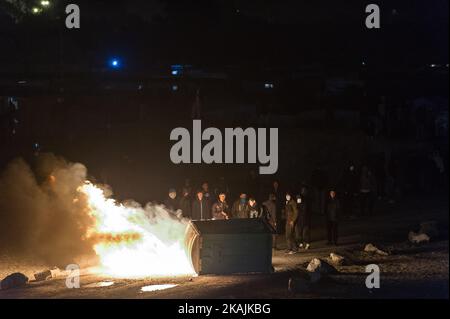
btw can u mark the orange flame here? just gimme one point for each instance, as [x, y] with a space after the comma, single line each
[136, 242]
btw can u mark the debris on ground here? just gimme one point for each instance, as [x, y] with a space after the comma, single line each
[337, 259]
[47, 274]
[429, 228]
[15, 280]
[43, 275]
[321, 266]
[417, 238]
[370, 248]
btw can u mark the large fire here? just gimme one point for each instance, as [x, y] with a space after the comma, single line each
[132, 241]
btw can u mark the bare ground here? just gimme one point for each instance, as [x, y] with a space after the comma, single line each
[409, 271]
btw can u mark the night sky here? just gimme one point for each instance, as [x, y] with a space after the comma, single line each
[220, 33]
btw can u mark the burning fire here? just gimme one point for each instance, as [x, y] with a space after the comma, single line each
[132, 242]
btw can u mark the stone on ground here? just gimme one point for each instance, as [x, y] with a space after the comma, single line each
[15, 280]
[370, 248]
[337, 259]
[417, 238]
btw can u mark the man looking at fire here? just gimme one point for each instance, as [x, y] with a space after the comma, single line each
[220, 208]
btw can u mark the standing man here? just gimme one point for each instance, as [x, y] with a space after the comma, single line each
[270, 213]
[291, 213]
[240, 207]
[200, 210]
[207, 197]
[304, 220]
[185, 203]
[332, 210]
[254, 209]
[220, 208]
[279, 200]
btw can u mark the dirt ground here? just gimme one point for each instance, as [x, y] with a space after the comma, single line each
[409, 271]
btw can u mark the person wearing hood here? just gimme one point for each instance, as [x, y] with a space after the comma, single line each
[240, 208]
[291, 213]
[171, 202]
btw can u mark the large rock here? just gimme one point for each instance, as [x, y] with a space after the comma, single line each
[417, 238]
[15, 280]
[337, 259]
[370, 248]
[430, 228]
[320, 266]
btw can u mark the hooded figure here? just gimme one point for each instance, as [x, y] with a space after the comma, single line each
[171, 202]
[240, 207]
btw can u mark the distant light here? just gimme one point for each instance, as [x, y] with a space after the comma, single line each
[433, 65]
[45, 3]
[174, 87]
[22, 82]
[36, 10]
[363, 63]
[268, 85]
[176, 69]
[140, 87]
[115, 63]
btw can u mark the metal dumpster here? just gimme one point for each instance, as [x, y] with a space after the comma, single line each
[230, 246]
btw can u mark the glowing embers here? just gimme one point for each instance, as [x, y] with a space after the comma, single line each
[157, 287]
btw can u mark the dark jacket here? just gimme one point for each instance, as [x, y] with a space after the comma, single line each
[270, 211]
[255, 211]
[218, 208]
[185, 206]
[240, 210]
[200, 210]
[171, 204]
[304, 211]
[291, 211]
[333, 209]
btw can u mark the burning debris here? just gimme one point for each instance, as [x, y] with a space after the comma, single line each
[62, 218]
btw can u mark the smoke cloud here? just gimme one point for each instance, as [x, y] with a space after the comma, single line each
[39, 215]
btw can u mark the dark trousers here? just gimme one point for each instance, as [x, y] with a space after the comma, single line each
[290, 236]
[303, 232]
[332, 229]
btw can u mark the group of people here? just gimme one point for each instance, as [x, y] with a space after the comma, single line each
[286, 211]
